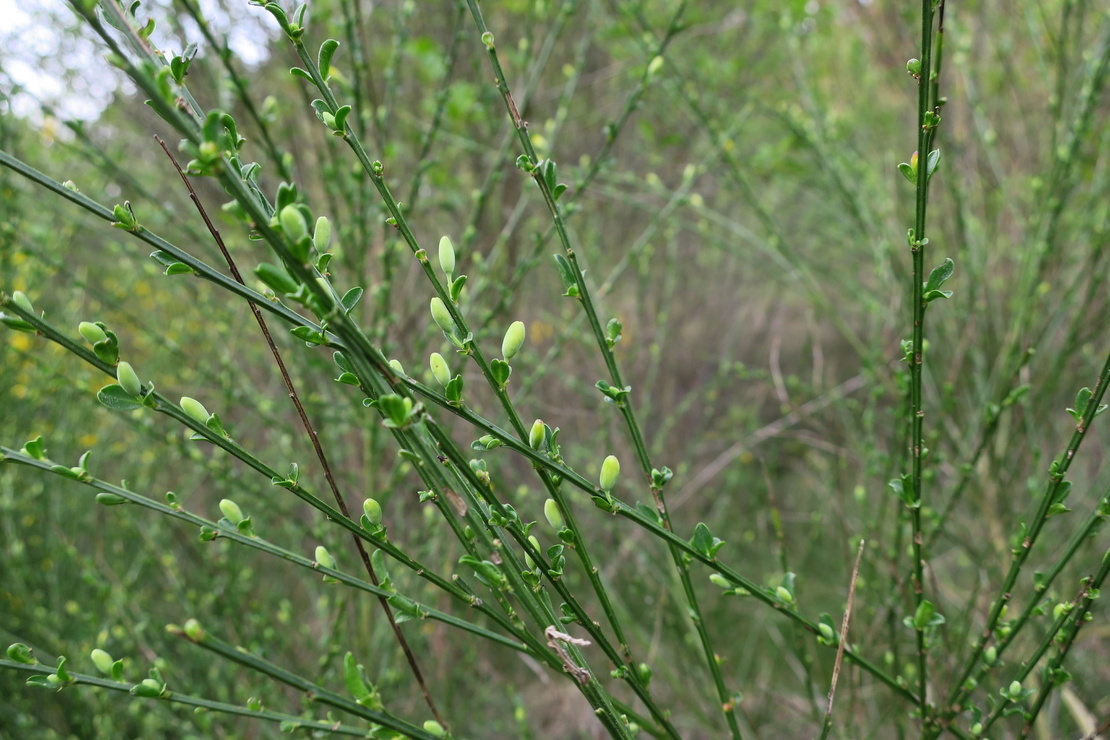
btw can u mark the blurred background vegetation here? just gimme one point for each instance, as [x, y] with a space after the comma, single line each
[746, 224]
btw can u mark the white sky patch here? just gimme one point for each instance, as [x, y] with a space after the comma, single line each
[49, 61]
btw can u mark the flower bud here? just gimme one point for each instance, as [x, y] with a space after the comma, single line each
[195, 409]
[129, 379]
[193, 630]
[324, 558]
[231, 511]
[514, 339]
[373, 511]
[1015, 688]
[434, 728]
[610, 471]
[553, 515]
[321, 237]
[826, 631]
[293, 223]
[103, 661]
[443, 317]
[536, 544]
[439, 368]
[718, 580]
[536, 435]
[91, 332]
[20, 299]
[447, 257]
[397, 367]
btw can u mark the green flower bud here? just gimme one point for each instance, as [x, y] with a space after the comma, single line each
[718, 580]
[434, 728]
[536, 544]
[536, 435]
[826, 631]
[553, 515]
[129, 379]
[293, 223]
[20, 299]
[91, 332]
[195, 409]
[1015, 688]
[20, 653]
[231, 510]
[645, 672]
[103, 661]
[610, 471]
[439, 368]
[373, 511]
[321, 237]
[324, 558]
[447, 257]
[514, 339]
[396, 365]
[784, 594]
[193, 630]
[443, 317]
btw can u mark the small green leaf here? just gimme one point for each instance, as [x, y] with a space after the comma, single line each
[704, 542]
[931, 166]
[117, 399]
[351, 298]
[907, 172]
[500, 371]
[327, 51]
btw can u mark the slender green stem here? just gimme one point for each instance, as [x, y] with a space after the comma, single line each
[289, 721]
[927, 120]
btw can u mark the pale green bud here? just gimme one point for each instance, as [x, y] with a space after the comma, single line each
[91, 332]
[293, 223]
[373, 511]
[826, 631]
[396, 365]
[439, 368]
[193, 630]
[447, 256]
[321, 237]
[129, 379]
[718, 580]
[536, 435]
[784, 594]
[434, 728]
[513, 341]
[195, 409]
[553, 515]
[324, 558]
[610, 471]
[536, 544]
[231, 511]
[443, 317]
[1015, 688]
[103, 661]
[20, 299]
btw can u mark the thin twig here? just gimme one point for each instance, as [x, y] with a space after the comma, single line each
[843, 640]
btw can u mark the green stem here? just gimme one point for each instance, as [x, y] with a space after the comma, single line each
[290, 721]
